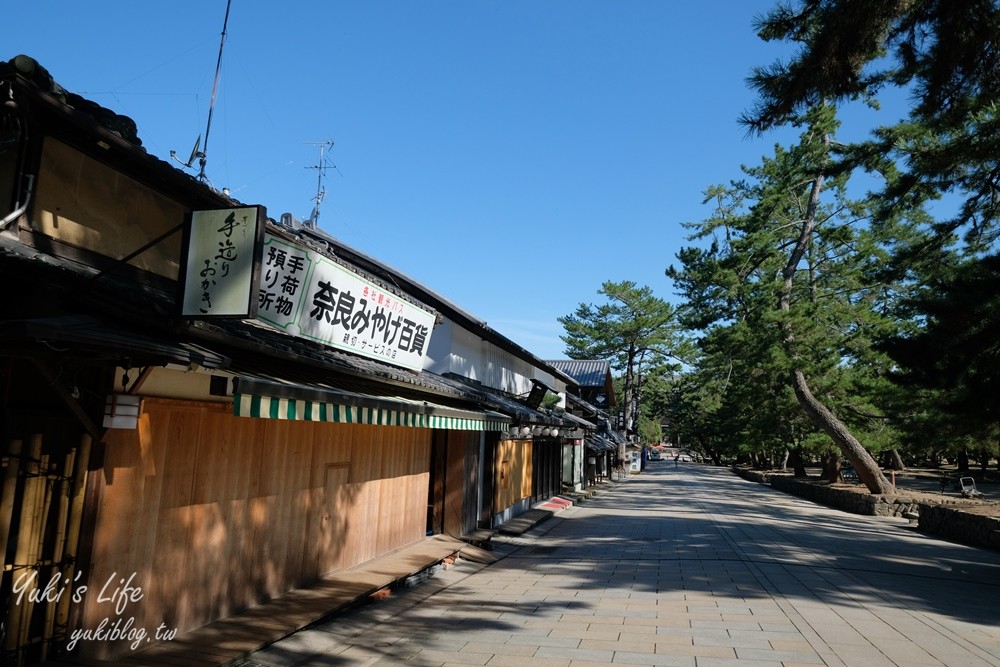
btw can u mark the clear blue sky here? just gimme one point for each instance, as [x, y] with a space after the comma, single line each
[511, 156]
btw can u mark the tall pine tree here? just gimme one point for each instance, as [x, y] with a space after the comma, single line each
[790, 264]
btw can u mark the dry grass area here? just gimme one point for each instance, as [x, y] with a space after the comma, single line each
[918, 484]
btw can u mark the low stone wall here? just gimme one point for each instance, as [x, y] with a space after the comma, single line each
[846, 499]
[762, 477]
[954, 524]
[949, 518]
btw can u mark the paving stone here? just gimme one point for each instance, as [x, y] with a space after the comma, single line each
[651, 573]
[658, 659]
[455, 657]
[808, 657]
[548, 641]
[574, 654]
[588, 633]
[638, 646]
[499, 648]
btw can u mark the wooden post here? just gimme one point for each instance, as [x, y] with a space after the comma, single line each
[43, 498]
[9, 493]
[44, 505]
[81, 464]
[19, 615]
[62, 520]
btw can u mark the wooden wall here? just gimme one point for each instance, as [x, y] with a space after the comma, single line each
[214, 513]
[513, 472]
[90, 205]
[461, 483]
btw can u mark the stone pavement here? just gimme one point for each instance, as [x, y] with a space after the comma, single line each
[684, 566]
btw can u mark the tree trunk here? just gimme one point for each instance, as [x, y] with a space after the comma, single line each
[798, 464]
[629, 394]
[868, 471]
[831, 466]
[963, 460]
[711, 452]
[892, 460]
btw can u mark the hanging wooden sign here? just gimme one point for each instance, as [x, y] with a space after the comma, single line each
[221, 262]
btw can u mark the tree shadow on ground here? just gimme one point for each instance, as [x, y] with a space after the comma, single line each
[700, 539]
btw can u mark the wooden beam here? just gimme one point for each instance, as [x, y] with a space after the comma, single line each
[59, 386]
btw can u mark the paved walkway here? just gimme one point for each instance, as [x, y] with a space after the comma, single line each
[685, 566]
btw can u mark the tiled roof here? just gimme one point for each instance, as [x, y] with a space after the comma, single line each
[587, 372]
[29, 68]
[494, 399]
[586, 409]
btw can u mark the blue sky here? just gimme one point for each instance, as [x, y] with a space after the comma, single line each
[512, 156]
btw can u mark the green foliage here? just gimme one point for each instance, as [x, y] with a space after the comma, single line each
[650, 431]
[634, 330]
[955, 358]
[550, 401]
[943, 54]
[632, 321]
[765, 311]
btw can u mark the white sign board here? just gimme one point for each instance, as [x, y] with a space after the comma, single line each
[309, 296]
[220, 268]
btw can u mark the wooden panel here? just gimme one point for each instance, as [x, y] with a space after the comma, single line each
[472, 482]
[277, 558]
[459, 510]
[525, 467]
[359, 543]
[403, 487]
[513, 470]
[177, 434]
[214, 513]
[436, 492]
[89, 205]
[331, 518]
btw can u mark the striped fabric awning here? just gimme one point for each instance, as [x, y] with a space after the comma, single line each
[276, 401]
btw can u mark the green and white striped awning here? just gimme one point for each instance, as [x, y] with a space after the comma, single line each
[269, 400]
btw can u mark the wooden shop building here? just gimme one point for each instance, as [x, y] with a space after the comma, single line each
[214, 407]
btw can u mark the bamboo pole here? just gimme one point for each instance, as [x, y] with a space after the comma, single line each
[18, 615]
[73, 531]
[62, 520]
[9, 493]
[44, 507]
[43, 496]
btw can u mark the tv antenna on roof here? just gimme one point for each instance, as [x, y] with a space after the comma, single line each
[320, 168]
[202, 155]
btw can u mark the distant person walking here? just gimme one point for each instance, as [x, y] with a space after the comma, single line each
[677, 457]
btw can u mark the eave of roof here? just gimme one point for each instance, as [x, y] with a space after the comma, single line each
[80, 129]
[586, 372]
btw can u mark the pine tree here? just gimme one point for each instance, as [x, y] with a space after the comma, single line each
[790, 266]
[634, 330]
[946, 56]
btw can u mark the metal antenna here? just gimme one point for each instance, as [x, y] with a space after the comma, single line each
[215, 86]
[198, 152]
[320, 190]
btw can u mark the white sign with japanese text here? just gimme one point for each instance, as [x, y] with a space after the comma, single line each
[307, 295]
[220, 268]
